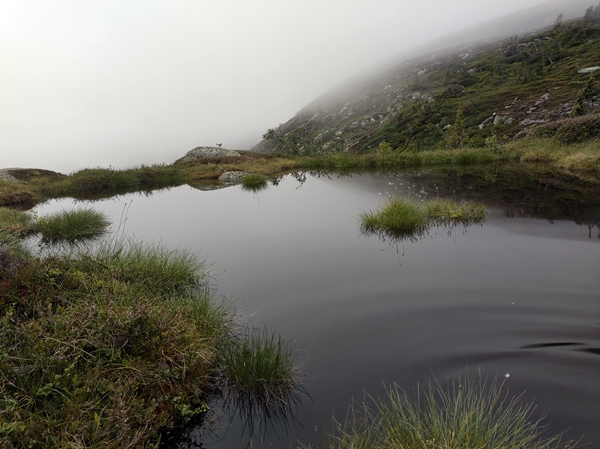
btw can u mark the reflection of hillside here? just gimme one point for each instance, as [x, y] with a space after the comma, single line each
[523, 191]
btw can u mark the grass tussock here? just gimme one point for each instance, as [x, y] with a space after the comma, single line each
[397, 217]
[16, 222]
[401, 218]
[469, 413]
[72, 226]
[261, 381]
[254, 182]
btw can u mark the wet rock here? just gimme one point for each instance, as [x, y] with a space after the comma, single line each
[208, 153]
[232, 177]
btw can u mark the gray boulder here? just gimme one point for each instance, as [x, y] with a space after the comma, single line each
[208, 153]
[232, 177]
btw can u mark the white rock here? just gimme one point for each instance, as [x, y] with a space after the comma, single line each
[588, 69]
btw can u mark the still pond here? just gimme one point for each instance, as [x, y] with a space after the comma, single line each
[517, 297]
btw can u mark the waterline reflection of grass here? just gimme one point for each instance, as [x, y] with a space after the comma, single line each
[261, 383]
[402, 219]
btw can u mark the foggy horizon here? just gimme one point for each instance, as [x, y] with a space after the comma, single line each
[129, 83]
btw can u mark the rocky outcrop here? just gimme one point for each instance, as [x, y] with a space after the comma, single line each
[6, 176]
[200, 153]
[232, 177]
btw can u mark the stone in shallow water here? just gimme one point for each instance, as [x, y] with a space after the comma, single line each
[232, 177]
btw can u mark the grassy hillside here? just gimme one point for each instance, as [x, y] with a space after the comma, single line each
[485, 92]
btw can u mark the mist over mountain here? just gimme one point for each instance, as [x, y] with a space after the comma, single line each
[513, 72]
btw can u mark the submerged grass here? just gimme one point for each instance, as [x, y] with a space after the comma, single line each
[469, 413]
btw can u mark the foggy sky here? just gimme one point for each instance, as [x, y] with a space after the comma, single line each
[124, 82]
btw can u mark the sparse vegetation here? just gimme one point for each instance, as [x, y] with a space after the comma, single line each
[469, 413]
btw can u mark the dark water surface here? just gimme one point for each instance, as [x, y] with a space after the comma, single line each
[517, 295]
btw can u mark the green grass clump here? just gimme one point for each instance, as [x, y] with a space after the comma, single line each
[401, 218]
[469, 413]
[260, 374]
[72, 226]
[254, 182]
[397, 217]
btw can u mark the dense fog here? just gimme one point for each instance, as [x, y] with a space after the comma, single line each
[122, 83]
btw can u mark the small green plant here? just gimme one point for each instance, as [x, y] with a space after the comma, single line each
[254, 182]
[72, 226]
[470, 412]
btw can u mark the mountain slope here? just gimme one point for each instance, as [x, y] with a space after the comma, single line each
[460, 96]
